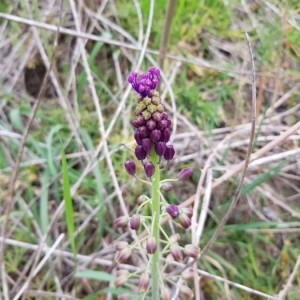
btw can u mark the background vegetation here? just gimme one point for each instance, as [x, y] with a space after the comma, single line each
[83, 111]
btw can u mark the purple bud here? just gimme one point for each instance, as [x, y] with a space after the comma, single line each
[176, 252]
[144, 283]
[166, 135]
[151, 124]
[121, 222]
[138, 121]
[169, 153]
[185, 174]
[130, 167]
[184, 220]
[163, 124]
[135, 222]
[140, 153]
[155, 135]
[164, 115]
[157, 116]
[151, 245]
[147, 144]
[144, 132]
[160, 148]
[173, 211]
[149, 169]
[137, 137]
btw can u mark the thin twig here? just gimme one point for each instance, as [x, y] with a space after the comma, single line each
[166, 32]
[282, 294]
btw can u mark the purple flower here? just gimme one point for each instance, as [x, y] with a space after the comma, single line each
[144, 83]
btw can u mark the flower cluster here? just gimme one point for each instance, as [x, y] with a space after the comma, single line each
[151, 122]
[152, 135]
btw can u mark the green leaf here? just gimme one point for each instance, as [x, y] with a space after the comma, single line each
[96, 275]
[68, 201]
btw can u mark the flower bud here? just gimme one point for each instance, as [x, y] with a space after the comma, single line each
[184, 221]
[151, 245]
[191, 250]
[163, 124]
[160, 148]
[135, 222]
[188, 211]
[121, 277]
[176, 252]
[174, 238]
[169, 153]
[186, 293]
[119, 245]
[166, 134]
[173, 211]
[141, 199]
[149, 169]
[138, 121]
[144, 283]
[151, 124]
[121, 222]
[155, 135]
[185, 174]
[156, 116]
[147, 144]
[164, 115]
[130, 167]
[167, 187]
[138, 138]
[165, 294]
[123, 255]
[144, 132]
[140, 153]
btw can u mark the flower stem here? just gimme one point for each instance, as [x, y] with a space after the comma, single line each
[155, 276]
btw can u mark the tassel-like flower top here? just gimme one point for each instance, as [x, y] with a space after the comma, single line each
[151, 121]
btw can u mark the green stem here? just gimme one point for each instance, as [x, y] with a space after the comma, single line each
[155, 276]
